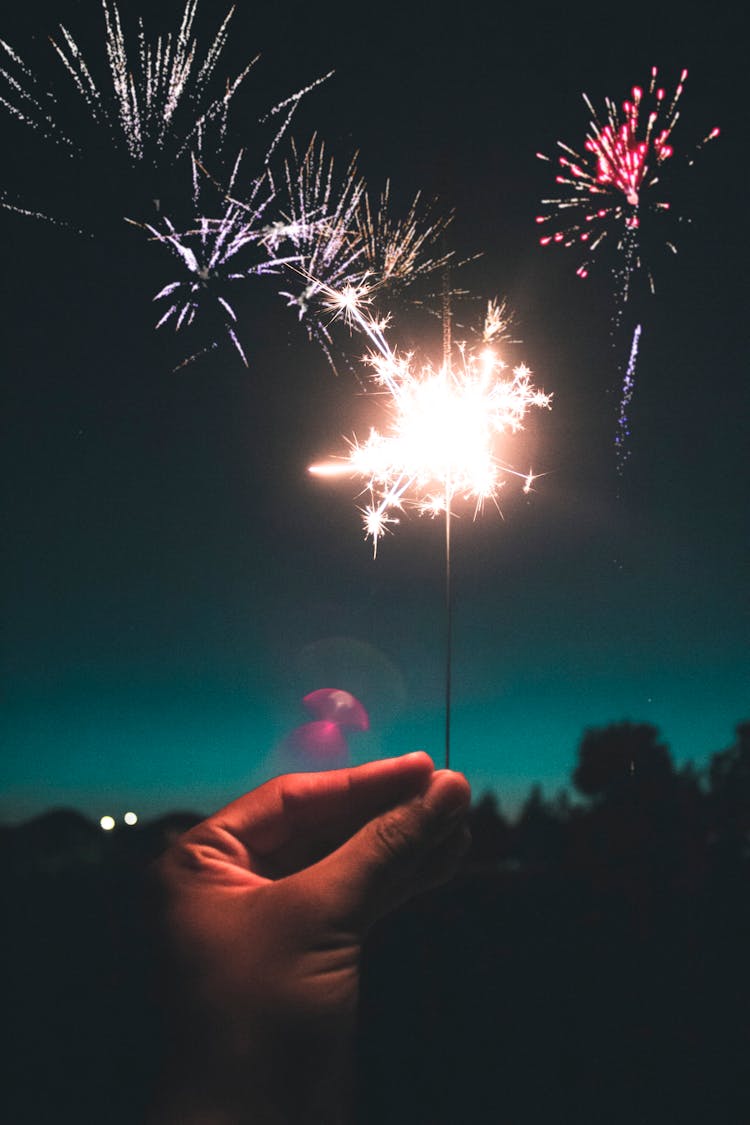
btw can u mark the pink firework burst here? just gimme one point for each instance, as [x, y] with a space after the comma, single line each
[608, 187]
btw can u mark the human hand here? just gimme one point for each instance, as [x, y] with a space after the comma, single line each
[264, 909]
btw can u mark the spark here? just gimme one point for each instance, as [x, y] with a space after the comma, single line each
[444, 423]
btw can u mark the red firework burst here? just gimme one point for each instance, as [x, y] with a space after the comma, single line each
[611, 183]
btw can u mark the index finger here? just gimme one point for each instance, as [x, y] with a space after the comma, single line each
[336, 802]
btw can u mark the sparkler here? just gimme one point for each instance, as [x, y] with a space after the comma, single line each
[444, 422]
[610, 188]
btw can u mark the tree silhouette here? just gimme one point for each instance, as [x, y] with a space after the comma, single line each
[617, 760]
[490, 831]
[729, 798]
[539, 833]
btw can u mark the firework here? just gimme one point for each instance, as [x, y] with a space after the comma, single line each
[157, 99]
[609, 187]
[343, 240]
[443, 424]
[318, 221]
[399, 251]
[608, 190]
[158, 102]
[214, 256]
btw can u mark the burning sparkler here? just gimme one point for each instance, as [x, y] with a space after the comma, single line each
[444, 424]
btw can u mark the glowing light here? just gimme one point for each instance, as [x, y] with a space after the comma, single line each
[444, 424]
[130, 818]
[107, 823]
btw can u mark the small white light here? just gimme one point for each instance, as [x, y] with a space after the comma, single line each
[107, 823]
[130, 818]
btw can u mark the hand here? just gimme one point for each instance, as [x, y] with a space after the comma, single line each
[264, 909]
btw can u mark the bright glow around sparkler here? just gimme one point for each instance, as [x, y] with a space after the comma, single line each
[444, 425]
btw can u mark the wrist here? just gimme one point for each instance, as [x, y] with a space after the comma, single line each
[309, 1083]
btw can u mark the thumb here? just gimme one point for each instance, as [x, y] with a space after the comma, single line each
[399, 853]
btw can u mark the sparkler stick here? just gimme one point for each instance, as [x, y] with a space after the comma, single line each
[443, 427]
[448, 631]
[448, 586]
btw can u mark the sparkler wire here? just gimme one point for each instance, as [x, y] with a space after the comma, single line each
[448, 586]
[448, 629]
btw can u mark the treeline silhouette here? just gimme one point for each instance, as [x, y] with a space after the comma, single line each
[588, 964]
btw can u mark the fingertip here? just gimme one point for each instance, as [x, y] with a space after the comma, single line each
[418, 758]
[449, 792]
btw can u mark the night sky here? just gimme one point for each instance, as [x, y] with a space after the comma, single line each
[174, 581]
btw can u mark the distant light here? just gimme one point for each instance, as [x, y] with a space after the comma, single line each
[130, 818]
[107, 823]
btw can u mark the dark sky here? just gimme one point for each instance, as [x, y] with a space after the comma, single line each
[173, 580]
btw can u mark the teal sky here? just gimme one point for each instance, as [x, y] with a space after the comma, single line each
[173, 580]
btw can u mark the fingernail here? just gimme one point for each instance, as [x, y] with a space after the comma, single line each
[414, 756]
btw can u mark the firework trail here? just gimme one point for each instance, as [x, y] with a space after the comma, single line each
[610, 189]
[444, 423]
[623, 426]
